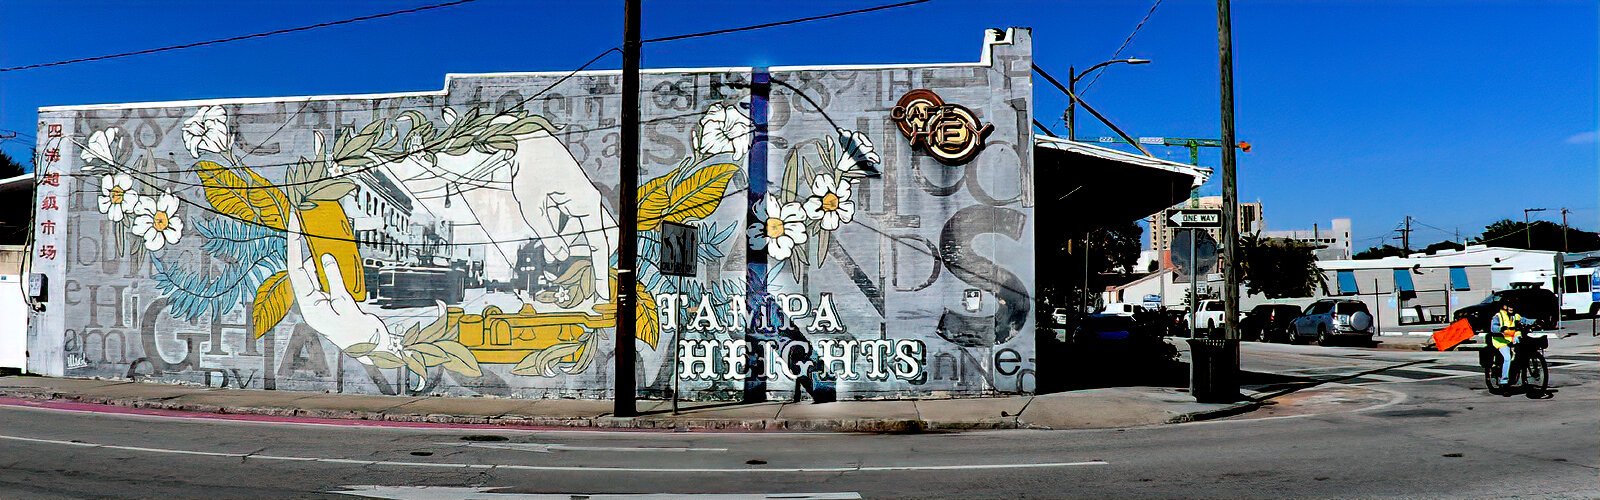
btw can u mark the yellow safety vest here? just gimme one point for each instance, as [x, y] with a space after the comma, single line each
[1509, 326]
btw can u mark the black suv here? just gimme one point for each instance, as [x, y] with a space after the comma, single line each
[1269, 323]
[1536, 304]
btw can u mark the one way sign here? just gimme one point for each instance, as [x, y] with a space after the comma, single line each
[1197, 218]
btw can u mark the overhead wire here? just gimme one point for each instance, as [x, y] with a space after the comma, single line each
[783, 23]
[238, 38]
[1125, 42]
[521, 103]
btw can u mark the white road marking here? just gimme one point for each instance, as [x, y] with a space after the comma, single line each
[468, 493]
[562, 468]
[267, 421]
[547, 448]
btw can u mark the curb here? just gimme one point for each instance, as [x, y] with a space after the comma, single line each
[1239, 408]
[861, 425]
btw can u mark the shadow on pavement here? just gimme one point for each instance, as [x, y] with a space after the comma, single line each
[1095, 363]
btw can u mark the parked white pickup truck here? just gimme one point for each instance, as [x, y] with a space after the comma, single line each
[1209, 317]
[1123, 309]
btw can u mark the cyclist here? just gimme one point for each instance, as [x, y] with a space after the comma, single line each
[1504, 329]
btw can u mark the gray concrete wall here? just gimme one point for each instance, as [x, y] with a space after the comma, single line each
[462, 242]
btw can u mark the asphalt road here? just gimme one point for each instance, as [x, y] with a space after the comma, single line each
[1431, 432]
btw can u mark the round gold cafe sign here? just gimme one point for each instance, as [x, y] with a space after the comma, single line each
[949, 132]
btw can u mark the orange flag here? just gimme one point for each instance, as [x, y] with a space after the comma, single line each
[1452, 335]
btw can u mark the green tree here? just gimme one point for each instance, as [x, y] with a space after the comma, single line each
[1443, 245]
[1114, 248]
[10, 167]
[1278, 267]
[1380, 252]
[1545, 235]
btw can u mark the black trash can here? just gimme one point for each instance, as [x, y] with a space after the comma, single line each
[1214, 370]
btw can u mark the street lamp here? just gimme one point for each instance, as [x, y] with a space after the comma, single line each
[1527, 229]
[1072, 90]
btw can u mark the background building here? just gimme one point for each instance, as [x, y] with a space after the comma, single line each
[1334, 239]
[1161, 236]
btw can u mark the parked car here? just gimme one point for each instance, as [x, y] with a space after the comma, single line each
[1117, 335]
[1060, 316]
[1176, 321]
[1209, 316]
[1329, 319]
[1269, 322]
[1537, 304]
[1123, 309]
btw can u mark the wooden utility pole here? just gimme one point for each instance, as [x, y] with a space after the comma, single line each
[628, 216]
[1230, 188]
[1564, 213]
[1405, 236]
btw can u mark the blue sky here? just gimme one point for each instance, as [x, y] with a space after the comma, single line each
[1458, 113]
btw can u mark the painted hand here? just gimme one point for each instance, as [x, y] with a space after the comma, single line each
[566, 211]
[333, 313]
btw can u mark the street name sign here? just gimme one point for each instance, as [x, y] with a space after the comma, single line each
[1194, 218]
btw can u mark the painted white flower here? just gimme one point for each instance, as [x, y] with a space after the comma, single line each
[778, 228]
[207, 130]
[103, 146]
[724, 129]
[830, 201]
[855, 152]
[158, 222]
[117, 198]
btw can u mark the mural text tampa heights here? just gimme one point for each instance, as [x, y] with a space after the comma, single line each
[862, 231]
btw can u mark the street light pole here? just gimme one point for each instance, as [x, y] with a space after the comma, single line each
[1527, 227]
[1072, 104]
[1072, 90]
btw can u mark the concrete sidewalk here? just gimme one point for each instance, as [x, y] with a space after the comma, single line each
[1083, 409]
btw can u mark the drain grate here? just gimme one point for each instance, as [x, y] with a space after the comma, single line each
[483, 437]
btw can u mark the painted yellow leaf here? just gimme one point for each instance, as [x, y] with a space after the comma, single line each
[276, 215]
[464, 362]
[648, 322]
[653, 198]
[273, 299]
[699, 194]
[239, 198]
[328, 231]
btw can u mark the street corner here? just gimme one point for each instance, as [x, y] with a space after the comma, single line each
[1330, 398]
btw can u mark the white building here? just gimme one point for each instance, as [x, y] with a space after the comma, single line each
[1334, 239]
[1418, 288]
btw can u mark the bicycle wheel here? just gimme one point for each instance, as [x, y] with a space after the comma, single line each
[1491, 370]
[1537, 373]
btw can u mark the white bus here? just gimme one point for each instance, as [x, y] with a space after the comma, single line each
[1580, 291]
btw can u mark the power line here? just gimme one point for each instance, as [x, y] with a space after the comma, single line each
[154, 173]
[783, 23]
[379, 164]
[240, 37]
[1125, 42]
[207, 208]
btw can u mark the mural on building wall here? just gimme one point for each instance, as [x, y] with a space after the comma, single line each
[465, 243]
[292, 245]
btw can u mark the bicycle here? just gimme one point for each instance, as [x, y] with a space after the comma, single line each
[1529, 370]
